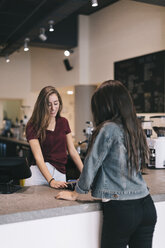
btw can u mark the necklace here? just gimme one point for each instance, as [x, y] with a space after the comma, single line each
[52, 126]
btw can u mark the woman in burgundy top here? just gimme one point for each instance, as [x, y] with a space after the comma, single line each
[49, 136]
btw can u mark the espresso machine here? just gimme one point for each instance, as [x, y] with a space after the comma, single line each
[88, 134]
[156, 144]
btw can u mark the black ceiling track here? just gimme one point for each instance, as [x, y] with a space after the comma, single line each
[20, 19]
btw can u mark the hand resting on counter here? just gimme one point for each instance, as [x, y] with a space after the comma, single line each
[58, 184]
[67, 195]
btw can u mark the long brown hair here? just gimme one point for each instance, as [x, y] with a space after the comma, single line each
[40, 117]
[111, 102]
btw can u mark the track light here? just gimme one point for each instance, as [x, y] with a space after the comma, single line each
[70, 92]
[94, 3]
[68, 52]
[7, 59]
[51, 28]
[26, 41]
[42, 34]
[67, 65]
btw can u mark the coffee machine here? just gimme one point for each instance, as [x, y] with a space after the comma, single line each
[147, 127]
[88, 134]
[157, 144]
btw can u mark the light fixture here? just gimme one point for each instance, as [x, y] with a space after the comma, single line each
[26, 41]
[70, 92]
[67, 64]
[7, 59]
[94, 3]
[51, 28]
[68, 52]
[42, 34]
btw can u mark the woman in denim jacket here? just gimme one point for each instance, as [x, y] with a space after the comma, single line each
[112, 170]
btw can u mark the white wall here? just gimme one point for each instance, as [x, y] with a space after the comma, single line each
[48, 68]
[123, 30]
[159, 237]
[28, 72]
[15, 77]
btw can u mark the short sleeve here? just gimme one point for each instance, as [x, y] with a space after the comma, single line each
[30, 132]
[67, 127]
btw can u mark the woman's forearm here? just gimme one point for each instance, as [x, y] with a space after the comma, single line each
[44, 170]
[73, 152]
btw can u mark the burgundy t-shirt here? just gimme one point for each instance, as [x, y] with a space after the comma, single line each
[54, 147]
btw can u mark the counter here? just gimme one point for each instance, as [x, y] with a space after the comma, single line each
[12, 147]
[14, 140]
[37, 202]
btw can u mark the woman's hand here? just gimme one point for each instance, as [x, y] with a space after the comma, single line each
[67, 195]
[58, 184]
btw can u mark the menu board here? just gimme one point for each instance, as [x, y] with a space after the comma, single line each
[144, 76]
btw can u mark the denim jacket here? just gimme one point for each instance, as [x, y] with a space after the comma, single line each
[105, 170]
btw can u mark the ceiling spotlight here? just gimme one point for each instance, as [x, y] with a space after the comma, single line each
[68, 52]
[7, 59]
[70, 92]
[94, 3]
[26, 41]
[42, 34]
[51, 28]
